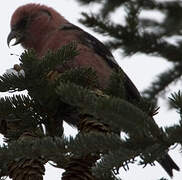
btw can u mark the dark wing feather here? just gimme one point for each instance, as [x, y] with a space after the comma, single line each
[100, 49]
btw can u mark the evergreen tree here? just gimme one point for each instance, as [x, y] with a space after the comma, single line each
[140, 34]
[32, 124]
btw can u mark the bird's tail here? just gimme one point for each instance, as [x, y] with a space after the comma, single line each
[168, 164]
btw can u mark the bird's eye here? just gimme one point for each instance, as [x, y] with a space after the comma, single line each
[22, 23]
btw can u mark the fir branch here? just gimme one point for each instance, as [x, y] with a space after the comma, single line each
[95, 142]
[149, 107]
[112, 148]
[153, 152]
[85, 77]
[101, 25]
[163, 81]
[17, 114]
[150, 150]
[61, 56]
[159, 5]
[110, 6]
[131, 40]
[174, 134]
[114, 160]
[16, 103]
[11, 83]
[171, 24]
[116, 85]
[107, 109]
[85, 2]
[39, 87]
[151, 44]
[49, 148]
[134, 38]
[59, 150]
[48, 62]
[176, 101]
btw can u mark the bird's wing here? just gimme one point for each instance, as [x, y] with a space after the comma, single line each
[100, 49]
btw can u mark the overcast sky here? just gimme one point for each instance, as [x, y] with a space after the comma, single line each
[140, 68]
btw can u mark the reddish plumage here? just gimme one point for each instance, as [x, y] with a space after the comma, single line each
[42, 28]
[44, 33]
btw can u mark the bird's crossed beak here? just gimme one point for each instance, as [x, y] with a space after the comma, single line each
[14, 35]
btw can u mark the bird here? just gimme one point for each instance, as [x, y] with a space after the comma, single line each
[43, 29]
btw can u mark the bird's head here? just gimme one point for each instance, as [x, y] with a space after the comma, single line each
[31, 23]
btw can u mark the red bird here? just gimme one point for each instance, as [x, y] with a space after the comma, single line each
[42, 28]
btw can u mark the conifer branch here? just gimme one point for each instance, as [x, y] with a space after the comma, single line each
[106, 109]
[163, 80]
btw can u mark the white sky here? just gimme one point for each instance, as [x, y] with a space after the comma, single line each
[140, 68]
